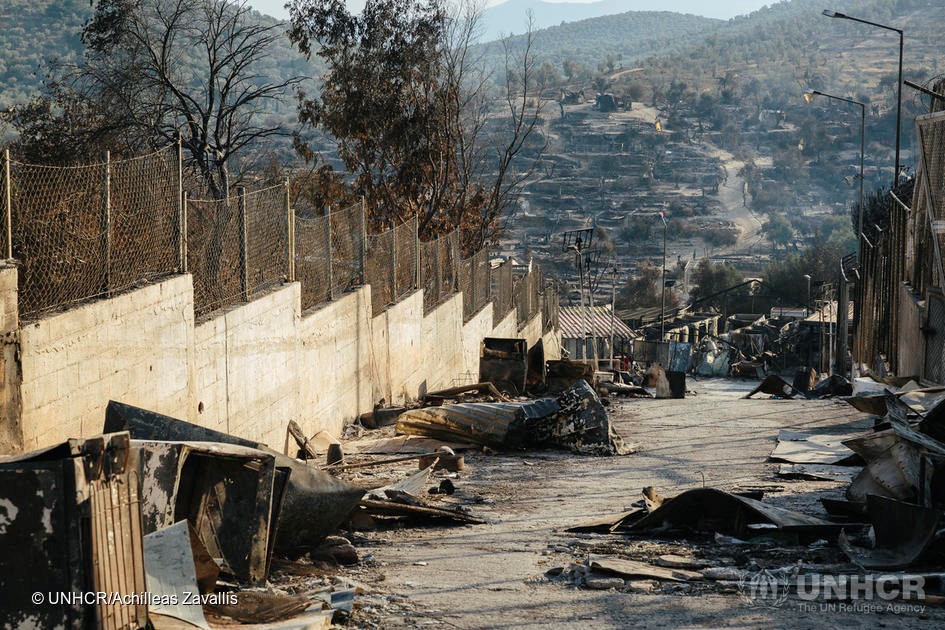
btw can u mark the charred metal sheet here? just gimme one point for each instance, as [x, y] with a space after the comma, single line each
[903, 531]
[774, 386]
[824, 472]
[575, 419]
[225, 491]
[314, 503]
[710, 510]
[835, 385]
[504, 362]
[797, 447]
[564, 373]
[895, 464]
[171, 576]
[537, 371]
[70, 523]
[498, 425]
[634, 568]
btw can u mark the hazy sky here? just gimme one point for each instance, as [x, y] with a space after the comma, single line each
[724, 10]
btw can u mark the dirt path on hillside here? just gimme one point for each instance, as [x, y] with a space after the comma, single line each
[493, 575]
[733, 208]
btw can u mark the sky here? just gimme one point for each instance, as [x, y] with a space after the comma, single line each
[722, 10]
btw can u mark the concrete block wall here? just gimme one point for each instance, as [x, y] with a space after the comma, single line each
[247, 370]
[442, 348]
[335, 366]
[248, 362]
[474, 331]
[397, 347]
[136, 347]
[11, 427]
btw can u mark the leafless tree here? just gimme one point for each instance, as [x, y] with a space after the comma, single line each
[161, 67]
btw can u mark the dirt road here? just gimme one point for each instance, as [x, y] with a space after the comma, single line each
[493, 575]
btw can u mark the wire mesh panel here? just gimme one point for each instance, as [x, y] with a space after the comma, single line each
[935, 347]
[502, 302]
[438, 270]
[312, 260]
[379, 270]
[213, 253]
[475, 281]
[405, 258]
[267, 239]
[58, 234]
[144, 208]
[346, 249]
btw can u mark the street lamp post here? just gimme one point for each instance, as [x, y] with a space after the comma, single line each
[835, 14]
[809, 96]
[663, 284]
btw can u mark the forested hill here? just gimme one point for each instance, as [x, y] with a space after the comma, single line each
[34, 31]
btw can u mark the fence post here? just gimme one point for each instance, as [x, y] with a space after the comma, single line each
[244, 244]
[330, 253]
[107, 225]
[290, 222]
[363, 252]
[181, 220]
[9, 204]
[416, 240]
[183, 230]
[393, 265]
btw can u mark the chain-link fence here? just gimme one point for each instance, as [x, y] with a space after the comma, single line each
[438, 261]
[347, 249]
[213, 253]
[379, 270]
[312, 260]
[527, 299]
[502, 290]
[85, 231]
[237, 247]
[475, 281]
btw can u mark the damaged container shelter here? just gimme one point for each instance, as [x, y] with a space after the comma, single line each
[72, 514]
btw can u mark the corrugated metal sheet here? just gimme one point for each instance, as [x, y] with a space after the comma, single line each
[571, 321]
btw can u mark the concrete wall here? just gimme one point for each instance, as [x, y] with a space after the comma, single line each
[247, 370]
[531, 330]
[136, 347]
[335, 366]
[474, 331]
[442, 353]
[11, 428]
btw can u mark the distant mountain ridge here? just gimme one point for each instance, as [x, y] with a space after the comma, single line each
[512, 17]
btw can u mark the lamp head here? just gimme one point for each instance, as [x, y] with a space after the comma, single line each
[809, 96]
[833, 14]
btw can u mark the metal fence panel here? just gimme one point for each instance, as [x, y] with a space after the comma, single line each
[405, 258]
[267, 239]
[58, 234]
[144, 219]
[378, 270]
[213, 253]
[346, 249]
[312, 260]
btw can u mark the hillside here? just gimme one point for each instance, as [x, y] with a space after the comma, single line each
[37, 32]
[627, 37]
